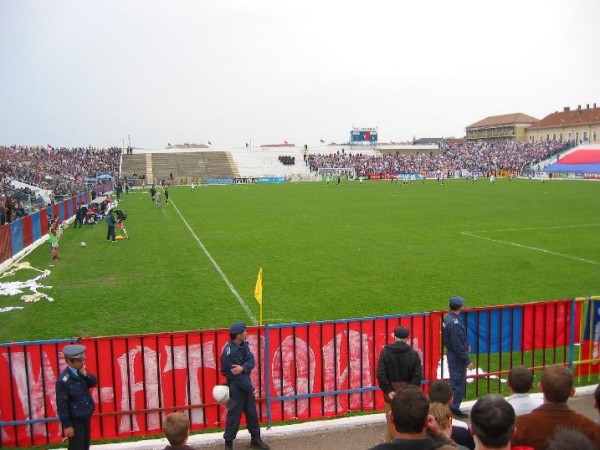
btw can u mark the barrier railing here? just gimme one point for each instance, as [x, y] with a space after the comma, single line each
[304, 371]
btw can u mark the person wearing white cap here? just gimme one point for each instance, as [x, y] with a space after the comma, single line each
[457, 346]
[74, 403]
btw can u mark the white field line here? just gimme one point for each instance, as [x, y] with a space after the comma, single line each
[555, 227]
[528, 247]
[218, 268]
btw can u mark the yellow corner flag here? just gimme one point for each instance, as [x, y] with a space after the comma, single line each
[258, 292]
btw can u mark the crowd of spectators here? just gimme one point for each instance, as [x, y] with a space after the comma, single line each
[11, 207]
[494, 424]
[63, 171]
[287, 160]
[473, 157]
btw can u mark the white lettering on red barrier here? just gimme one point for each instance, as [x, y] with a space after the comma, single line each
[293, 373]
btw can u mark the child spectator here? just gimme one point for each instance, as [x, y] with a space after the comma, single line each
[177, 430]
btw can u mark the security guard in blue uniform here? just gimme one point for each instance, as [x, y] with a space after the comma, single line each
[74, 402]
[457, 346]
[237, 362]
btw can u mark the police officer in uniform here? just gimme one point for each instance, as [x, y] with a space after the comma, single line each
[74, 402]
[457, 346]
[237, 362]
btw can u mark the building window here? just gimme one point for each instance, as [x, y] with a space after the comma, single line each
[560, 137]
[554, 137]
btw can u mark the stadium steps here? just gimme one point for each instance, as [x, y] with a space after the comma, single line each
[265, 163]
[149, 168]
[133, 164]
[185, 165]
[233, 165]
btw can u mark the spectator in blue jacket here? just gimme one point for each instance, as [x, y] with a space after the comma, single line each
[110, 221]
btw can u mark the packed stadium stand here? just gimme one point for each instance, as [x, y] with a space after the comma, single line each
[30, 177]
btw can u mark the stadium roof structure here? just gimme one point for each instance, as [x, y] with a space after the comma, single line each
[285, 144]
[568, 117]
[504, 119]
[583, 160]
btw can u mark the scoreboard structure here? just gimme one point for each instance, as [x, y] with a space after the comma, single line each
[363, 135]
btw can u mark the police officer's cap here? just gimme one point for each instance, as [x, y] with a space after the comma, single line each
[237, 328]
[456, 302]
[74, 351]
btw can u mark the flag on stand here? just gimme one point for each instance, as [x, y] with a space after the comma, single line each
[258, 293]
[258, 287]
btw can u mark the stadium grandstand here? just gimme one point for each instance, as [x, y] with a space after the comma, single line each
[33, 176]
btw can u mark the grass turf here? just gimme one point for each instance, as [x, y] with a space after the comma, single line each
[326, 252]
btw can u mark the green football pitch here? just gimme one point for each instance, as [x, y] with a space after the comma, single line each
[326, 253]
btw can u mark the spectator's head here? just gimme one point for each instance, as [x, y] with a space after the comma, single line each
[401, 333]
[456, 303]
[443, 417]
[556, 384]
[520, 380]
[410, 408]
[597, 398]
[568, 439]
[440, 392]
[177, 428]
[492, 421]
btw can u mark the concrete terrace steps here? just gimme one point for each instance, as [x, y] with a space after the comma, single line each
[149, 168]
[265, 162]
[203, 164]
[133, 164]
[233, 165]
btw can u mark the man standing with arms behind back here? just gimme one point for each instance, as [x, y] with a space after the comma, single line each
[237, 362]
[398, 365]
[74, 402]
[455, 340]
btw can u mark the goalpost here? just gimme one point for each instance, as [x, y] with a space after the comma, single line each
[330, 172]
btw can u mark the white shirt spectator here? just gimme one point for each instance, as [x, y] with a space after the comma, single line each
[524, 403]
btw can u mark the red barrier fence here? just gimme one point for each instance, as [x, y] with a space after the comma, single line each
[304, 371]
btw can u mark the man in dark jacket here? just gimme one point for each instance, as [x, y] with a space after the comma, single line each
[398, 365]
[74, 402]
[237, 362]
[457, 346]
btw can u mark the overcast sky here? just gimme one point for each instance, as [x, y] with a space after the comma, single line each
[78, 73]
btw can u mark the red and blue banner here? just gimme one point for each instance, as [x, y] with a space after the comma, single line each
[518, 328]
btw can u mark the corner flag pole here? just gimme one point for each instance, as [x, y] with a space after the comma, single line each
[258, 294]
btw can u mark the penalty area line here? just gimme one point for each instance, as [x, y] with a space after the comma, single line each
[527, 247]
[240, 300]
